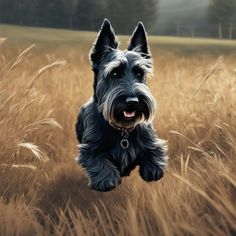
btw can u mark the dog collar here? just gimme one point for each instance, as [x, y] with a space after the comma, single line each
[122, 129]
[124, 143]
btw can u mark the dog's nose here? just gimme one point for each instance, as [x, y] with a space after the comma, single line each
[132, 101]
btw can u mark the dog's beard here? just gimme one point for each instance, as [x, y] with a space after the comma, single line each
[117, 113]
[121, 116]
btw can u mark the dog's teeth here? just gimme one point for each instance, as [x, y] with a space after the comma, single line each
[129, 114]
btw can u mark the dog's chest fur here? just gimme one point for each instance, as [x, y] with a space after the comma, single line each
[108, 140]
[124, 159]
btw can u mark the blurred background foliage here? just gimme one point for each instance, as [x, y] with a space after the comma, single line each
[202, 18]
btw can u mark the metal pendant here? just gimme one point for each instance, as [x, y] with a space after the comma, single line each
[124, 143]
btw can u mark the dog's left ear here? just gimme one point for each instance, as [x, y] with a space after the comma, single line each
[105, 42]
[138, 41]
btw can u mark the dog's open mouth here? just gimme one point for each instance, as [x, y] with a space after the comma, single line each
[129, 114]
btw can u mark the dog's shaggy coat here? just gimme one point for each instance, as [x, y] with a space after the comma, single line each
[114, 127]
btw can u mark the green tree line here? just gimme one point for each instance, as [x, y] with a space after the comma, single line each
[222, 13]
[124, 15]
[79, 14]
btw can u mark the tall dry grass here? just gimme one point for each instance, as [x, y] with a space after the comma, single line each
[44, 192]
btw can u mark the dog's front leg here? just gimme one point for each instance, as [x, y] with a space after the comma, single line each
[154, 159]
[103, 175]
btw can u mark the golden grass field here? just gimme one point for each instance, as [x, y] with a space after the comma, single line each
[44, 192]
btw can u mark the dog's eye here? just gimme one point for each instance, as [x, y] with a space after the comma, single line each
[138, 73]
[116, 72]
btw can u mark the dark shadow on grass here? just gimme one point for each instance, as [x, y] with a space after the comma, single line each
[68, 189]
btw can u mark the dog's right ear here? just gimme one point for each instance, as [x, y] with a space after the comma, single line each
[105, 42]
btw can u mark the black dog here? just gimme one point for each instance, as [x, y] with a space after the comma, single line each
[114, 127]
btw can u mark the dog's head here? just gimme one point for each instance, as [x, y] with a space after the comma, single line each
[120, 87]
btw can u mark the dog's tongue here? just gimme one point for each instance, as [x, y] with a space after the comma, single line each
[128, 114]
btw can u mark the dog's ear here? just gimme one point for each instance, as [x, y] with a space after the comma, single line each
[105, 42]
[138, 41]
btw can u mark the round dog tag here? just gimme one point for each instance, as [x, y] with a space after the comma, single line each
[124, 143]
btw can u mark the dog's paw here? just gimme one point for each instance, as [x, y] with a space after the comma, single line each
[106, 183]
[151, 172]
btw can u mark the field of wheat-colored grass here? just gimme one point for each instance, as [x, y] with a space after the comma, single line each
[44, 192]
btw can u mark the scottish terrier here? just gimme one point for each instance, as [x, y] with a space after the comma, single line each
[114, 127]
